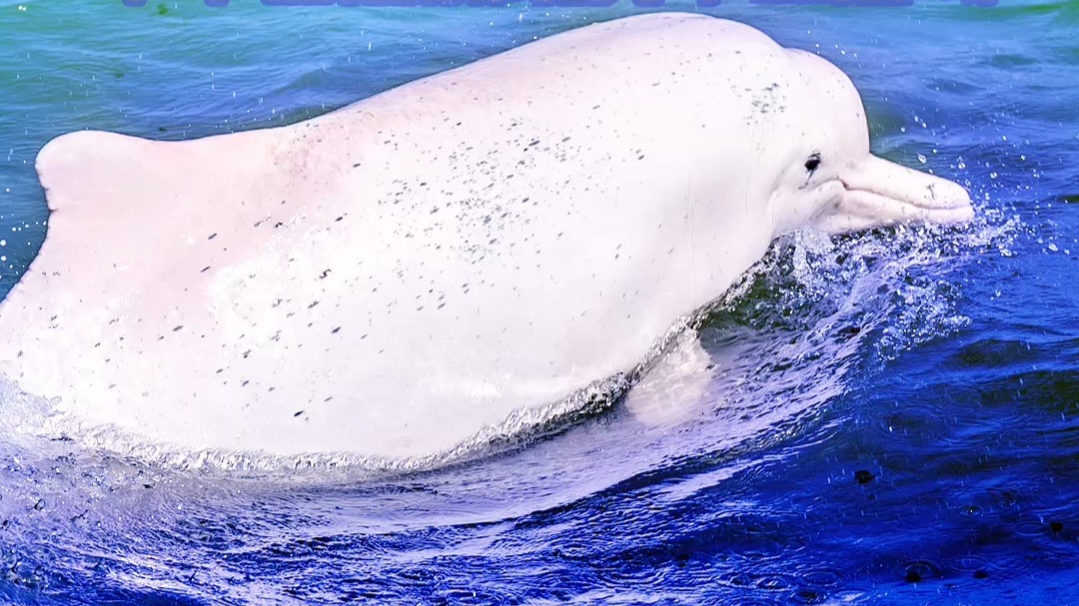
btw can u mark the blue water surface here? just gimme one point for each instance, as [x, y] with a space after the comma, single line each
[895, 415]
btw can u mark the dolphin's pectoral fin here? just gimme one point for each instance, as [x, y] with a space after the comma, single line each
[674, 389]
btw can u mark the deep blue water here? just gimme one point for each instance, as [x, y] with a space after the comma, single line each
[896, 415]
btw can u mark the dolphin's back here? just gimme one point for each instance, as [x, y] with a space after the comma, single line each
[391, 277]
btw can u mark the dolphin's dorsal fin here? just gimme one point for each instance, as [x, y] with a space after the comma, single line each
[127, 213]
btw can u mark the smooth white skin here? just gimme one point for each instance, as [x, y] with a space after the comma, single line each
[413, 267]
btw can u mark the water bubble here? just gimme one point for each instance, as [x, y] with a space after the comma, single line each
[917, 571]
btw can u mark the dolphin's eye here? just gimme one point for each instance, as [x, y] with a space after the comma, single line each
[813, 162]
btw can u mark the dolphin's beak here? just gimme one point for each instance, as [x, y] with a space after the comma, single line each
[880, 193]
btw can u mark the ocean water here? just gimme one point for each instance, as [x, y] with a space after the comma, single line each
[894, 418]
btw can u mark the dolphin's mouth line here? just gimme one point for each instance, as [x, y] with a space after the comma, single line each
[878, 191]
[938, 204]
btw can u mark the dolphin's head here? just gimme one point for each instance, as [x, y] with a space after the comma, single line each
[829, 179]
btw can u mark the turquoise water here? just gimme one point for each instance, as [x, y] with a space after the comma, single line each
[900, 422]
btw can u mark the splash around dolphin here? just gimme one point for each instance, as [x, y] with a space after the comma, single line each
[392, 277]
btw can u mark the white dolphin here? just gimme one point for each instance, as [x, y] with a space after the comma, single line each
[391, 277]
